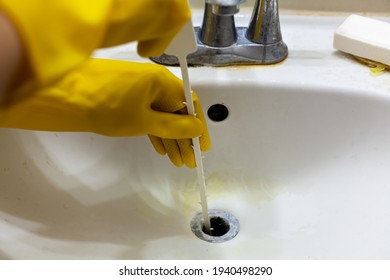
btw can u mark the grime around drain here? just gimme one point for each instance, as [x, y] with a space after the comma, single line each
[224, 226]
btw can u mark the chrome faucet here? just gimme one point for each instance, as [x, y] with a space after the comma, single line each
[221, 43]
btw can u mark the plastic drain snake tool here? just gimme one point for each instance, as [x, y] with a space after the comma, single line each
[182, 45]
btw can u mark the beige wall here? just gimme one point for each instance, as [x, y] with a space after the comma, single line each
[362, 6]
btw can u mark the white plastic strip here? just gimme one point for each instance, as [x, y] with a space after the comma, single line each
[196, 145]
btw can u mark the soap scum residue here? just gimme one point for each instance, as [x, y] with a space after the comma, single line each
[376, 68]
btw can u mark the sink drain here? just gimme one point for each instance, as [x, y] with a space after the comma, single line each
[224, 226]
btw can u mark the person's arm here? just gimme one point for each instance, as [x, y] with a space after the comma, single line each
[12, 68]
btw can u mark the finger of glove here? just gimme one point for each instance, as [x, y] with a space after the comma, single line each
[179, 153]
[173, 151]
[158, 144]
[155, 47]
[174, 126]
[187, 152]
[204, 139]
[169, 92]
[157, 22]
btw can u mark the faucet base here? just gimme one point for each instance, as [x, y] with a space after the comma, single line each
[243, 52]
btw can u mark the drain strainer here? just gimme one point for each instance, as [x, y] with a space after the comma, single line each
[224, 226]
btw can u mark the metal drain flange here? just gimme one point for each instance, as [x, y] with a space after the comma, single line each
[224, 226]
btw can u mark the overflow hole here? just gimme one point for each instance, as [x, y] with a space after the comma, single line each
[218, 112]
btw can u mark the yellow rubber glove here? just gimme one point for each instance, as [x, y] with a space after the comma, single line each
[59, 35]
[114, 98]
[110, 98]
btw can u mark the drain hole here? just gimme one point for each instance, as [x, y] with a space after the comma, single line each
[224, 226]
[218, 112]
[218, 226]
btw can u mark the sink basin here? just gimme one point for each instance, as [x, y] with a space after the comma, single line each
[301, 161]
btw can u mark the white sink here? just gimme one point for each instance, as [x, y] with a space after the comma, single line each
[302, 161]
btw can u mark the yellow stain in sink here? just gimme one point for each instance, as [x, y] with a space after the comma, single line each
[175, 200]
[222, 187]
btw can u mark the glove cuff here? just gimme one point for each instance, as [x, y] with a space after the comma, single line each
[57, 35]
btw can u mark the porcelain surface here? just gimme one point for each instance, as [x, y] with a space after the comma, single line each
[302, 161]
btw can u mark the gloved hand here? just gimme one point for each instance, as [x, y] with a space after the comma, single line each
[61, 94]
[59, 35]
[114, 98]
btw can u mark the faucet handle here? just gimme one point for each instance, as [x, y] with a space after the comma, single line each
[226, 2]
[264, 26]
[225, 7]
[218, 28]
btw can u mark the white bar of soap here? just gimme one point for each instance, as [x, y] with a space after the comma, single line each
[364, 37]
